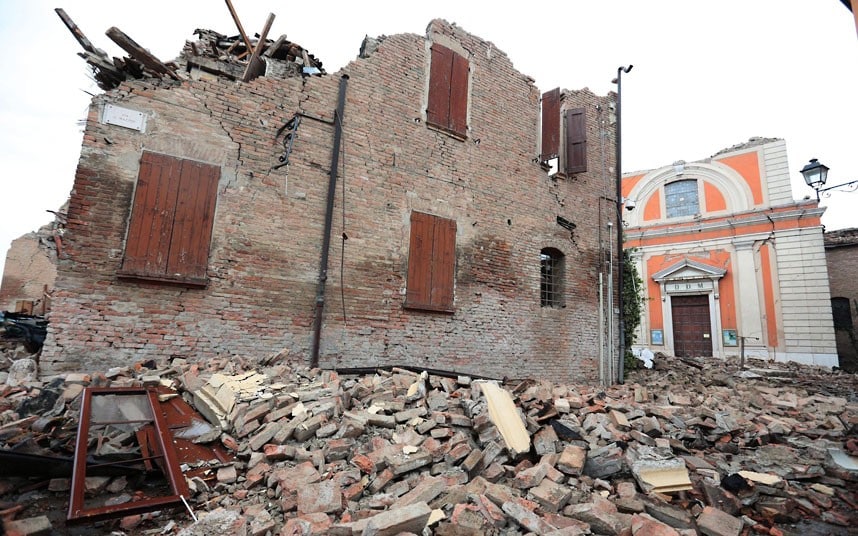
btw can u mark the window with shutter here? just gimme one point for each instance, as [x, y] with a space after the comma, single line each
[171, 220]
[447, 108]
[550, 125]
[431, 263]
[576, 141]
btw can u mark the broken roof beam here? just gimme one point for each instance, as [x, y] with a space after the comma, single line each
[256, 67]
[139, 53]
[270, 51]
[79, 35]
[238, 24]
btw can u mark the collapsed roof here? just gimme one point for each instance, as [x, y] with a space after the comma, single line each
[212, 55]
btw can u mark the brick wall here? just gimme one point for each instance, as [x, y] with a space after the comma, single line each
[30, 267]
[264, 261]
[841, 255]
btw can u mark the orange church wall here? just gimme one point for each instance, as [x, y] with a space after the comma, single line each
[652, 210]
[714, 198]
[748, 165]
[768, 290]
[653, 265]
[738, 228]
[629, 183]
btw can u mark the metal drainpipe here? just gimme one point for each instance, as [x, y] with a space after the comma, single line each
[620, 258]
[329, 219]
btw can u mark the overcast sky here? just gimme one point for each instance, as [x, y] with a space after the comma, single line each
[707, 75]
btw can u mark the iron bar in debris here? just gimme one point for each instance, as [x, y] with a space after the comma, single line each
[78, 512]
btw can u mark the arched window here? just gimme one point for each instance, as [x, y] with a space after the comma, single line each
[681, 199]
[551, 278]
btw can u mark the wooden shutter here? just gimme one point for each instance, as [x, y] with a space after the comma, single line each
[448, 91]
[171, 219]
[576, 141]
[459, 96]
[192, 228]
[431, 263]
[418, 293]
[550, 124]
[148, 242]
[440, 71]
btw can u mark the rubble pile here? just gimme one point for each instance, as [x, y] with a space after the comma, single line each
[690, 447]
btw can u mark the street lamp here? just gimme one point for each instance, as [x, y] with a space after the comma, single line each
[815, 174]
[620, 259]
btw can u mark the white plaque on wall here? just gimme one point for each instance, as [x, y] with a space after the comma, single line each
[124, 117]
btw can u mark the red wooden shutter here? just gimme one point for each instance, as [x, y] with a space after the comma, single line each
[441, 69]
[459, 96]
[171, 219]
[576, 141]
[448, 91]
[148, 242]
[443, 264]
[419, 284]
[192, 228]
[550, 124]
[431, 263]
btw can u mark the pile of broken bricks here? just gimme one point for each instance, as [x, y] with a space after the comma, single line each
[690, 447]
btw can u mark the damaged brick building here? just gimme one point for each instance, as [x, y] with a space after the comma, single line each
[231, 210]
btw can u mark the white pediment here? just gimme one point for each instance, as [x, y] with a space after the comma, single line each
[687, 270]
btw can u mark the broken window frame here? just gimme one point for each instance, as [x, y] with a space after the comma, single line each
[551, 275]
[431, 263]
[447, 103]
[77, 512]
[172, 217]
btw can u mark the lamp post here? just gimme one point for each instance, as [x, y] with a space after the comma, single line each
[815, 174]
[620, 259]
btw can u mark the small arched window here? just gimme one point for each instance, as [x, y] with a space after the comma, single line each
[551, 278]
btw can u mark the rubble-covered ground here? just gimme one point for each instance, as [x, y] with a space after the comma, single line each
[689, 447]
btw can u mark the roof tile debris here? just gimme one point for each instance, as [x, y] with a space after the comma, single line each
[684, 447]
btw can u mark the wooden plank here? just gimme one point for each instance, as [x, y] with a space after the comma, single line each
[504, 415]
[139, 53]
[79, 35]
[238, 24]
[256, 67]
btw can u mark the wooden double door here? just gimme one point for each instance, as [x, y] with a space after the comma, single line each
[692, 327]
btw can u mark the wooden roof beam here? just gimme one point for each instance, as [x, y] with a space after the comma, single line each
[139, 53]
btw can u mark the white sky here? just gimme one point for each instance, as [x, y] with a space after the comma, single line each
[707, 75]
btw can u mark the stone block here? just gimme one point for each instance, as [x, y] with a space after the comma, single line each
[572, 460]
[550, 495]
[325, 496]
[31, 526]
[714, 522]
[408, 519]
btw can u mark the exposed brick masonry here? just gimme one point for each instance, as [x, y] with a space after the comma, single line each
[264, 259]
